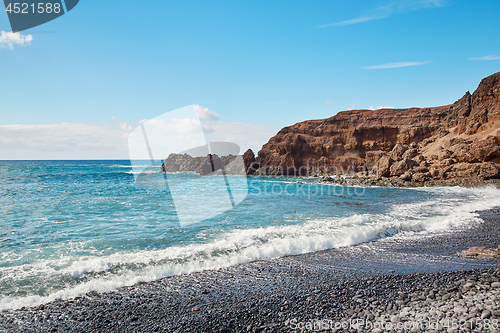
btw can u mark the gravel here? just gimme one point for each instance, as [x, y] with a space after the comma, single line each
[410, 281]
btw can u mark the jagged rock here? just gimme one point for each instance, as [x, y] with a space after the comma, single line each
[372, 157]
[485, 150]
[391, 142]
[418, 177]
[420, 169]
[202, 165]
[410, 153]
[489, 171]
[398, 151]
[249, 160]
[384, 165]
[463, 154]
[399, 168]
[406, 176]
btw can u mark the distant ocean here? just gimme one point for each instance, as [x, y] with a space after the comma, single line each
[71, 227]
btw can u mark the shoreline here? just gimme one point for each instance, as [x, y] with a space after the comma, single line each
[362, 180]
[357, 282]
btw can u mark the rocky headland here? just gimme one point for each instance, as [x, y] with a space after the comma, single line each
[447, 145]
[456, 144]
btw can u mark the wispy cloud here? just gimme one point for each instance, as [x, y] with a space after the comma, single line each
[348, 22]
[393, 8]
[327, 102]
[63, 141]
[9, 39]
[486, 58]
[397, 65]
[108, 141]
[205, 113]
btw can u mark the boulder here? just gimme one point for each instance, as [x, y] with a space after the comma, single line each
[399, 168]
[418, 177]
[406, 176]
[463, 154]
[485, 150]
[398, 151]
[481, 252]
[410, 153]
[384, 165]
[489, 171]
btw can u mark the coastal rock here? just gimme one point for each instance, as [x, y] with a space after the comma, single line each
[394, 143]
[481, 252]
[210, 163]
[384, 166]
[418, 177]
[398, 151]
[398, 168]
[249, 160]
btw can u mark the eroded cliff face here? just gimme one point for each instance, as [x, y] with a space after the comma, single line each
[418, 144]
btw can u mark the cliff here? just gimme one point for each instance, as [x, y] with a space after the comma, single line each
[416, 144]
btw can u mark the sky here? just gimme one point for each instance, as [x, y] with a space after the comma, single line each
[75, 87]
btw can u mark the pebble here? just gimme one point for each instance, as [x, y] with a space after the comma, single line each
[240, 305]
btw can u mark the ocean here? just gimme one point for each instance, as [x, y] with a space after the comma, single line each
[72, 227]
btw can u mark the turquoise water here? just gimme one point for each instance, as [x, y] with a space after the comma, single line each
[70, 227]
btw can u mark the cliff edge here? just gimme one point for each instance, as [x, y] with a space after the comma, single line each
[460, 140]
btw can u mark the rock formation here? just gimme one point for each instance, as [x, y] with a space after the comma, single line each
[209, 164]
[455, 141]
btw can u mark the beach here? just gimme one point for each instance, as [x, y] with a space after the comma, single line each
[386, 282]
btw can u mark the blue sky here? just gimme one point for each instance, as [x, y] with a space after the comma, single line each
[112, 63]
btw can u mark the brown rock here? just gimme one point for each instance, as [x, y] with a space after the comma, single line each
[393, 141]
[463, 154]
[398, 151]
[418, 177]
[383, 166]
[372, 157]
[489, 171]
[249, 160]
[406, 176]
[420, 169]
[410, 153]
[480, 252]
[485, 150]
[398, 168]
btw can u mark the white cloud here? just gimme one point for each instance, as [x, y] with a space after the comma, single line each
[63, 141]
[385, 107]
[110, 141]
[327, 102]
[486, 58]
[205, 113]
[397, 65]
[393, 8]
[245, 135]
[9, 39]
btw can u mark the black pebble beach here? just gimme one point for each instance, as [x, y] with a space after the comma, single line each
[393, 284]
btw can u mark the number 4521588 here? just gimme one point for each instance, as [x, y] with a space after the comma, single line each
[24, 8]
